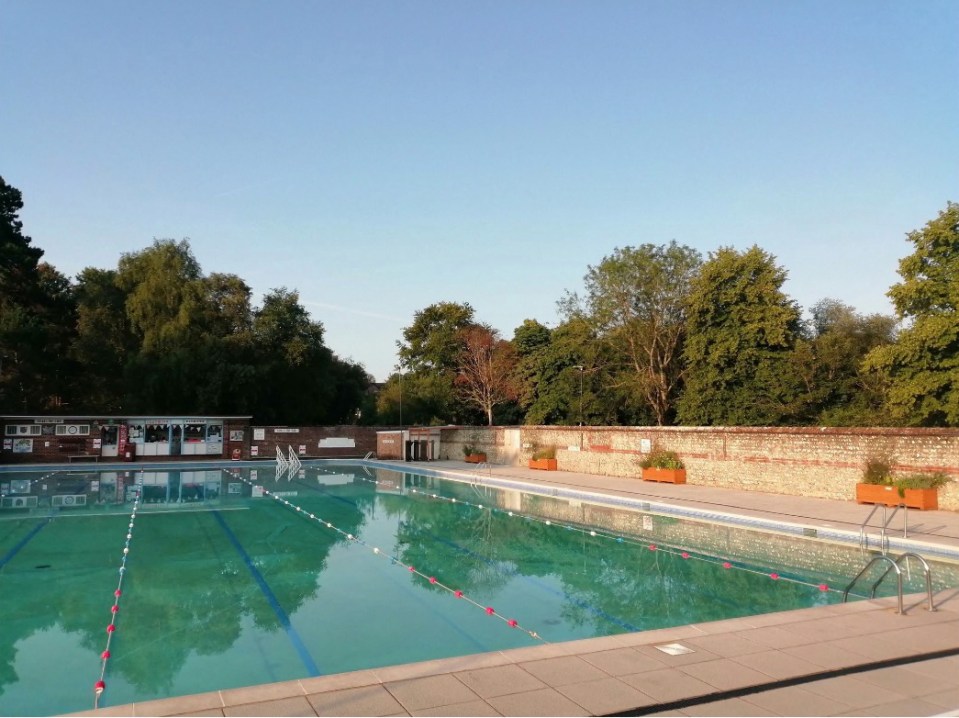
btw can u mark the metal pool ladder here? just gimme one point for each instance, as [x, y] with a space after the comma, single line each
[883, 540]
[894, 566]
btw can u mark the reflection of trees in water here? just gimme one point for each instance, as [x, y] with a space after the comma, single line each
[186, 590]
[47, 585]
[607, 585]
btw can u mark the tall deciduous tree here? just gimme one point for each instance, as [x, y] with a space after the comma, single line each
[741, 329]
[922, 368]
[636, 301]
[485, 369]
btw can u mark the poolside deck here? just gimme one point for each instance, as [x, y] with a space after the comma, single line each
[852, 659]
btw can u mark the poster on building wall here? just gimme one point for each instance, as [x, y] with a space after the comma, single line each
[20, 486]
[259, 434]
[7, 444]
[254, 451]
[236, 434]
[23, 446]
[301, 449]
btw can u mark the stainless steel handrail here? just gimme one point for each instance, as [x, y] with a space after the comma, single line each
[893, 566]
[863, 537]
[925, 569]
[886, 520]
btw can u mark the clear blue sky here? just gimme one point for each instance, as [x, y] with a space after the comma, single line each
[382, 156]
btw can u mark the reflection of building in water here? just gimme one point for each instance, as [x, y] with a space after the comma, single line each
[389, 481]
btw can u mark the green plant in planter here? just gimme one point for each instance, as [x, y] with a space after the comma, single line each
[878, 471]
[546, 452]
[662, 459]
[920, 481]
[467, 450]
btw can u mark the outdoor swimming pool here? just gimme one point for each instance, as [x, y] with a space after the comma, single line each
[236, 577]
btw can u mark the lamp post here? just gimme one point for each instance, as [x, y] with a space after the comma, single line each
[399, 371]
[582, 369]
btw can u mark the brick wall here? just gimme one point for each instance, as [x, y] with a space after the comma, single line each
[818, 462]
[326, 442]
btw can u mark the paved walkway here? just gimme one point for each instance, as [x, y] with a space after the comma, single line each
[850, 659]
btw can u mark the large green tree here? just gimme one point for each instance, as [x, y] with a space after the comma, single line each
[424, 384]
[635, 300]
[432, 342]
[741, 330]
[563, 376]
[37, 319]
[826, 368]
[921, 369]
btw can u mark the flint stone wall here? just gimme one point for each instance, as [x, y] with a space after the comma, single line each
[818, 462]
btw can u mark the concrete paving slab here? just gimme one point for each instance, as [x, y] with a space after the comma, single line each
[796, 701]
[728, 707]
[623, 661]
[563, 671]
[725, 674]
[362, 701]
[669, 685]
[778, 665]
[499, 681]
[607, 695]
[297, 706]
[430, 692]
[473, 708]
[544, 702]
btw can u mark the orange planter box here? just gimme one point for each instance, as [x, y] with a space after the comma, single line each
[669, 476]
[922, 499]
[475, 458]
[543, 464]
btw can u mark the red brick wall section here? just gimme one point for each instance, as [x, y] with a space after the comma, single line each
[389, 445]
[310, 438]
[819, 462]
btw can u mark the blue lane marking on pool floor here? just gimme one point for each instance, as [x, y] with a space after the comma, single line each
[23, 542]
[271, 598]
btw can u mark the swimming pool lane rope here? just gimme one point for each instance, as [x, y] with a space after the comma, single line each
[618, 538]
[394, 560]
[101, 685]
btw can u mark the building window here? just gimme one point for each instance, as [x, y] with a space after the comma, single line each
[73, 429]
[22, 430]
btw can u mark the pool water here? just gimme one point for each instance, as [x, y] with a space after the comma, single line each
[227, 586]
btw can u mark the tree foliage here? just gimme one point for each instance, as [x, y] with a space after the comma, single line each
[826, 367]
[432, 341]
[485, 372]
[741, 329]
[657, 336]
[37, 318]
[636, 301]
[921, 369]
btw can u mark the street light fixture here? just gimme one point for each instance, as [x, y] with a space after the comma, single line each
[582, 370]
[399, 372]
